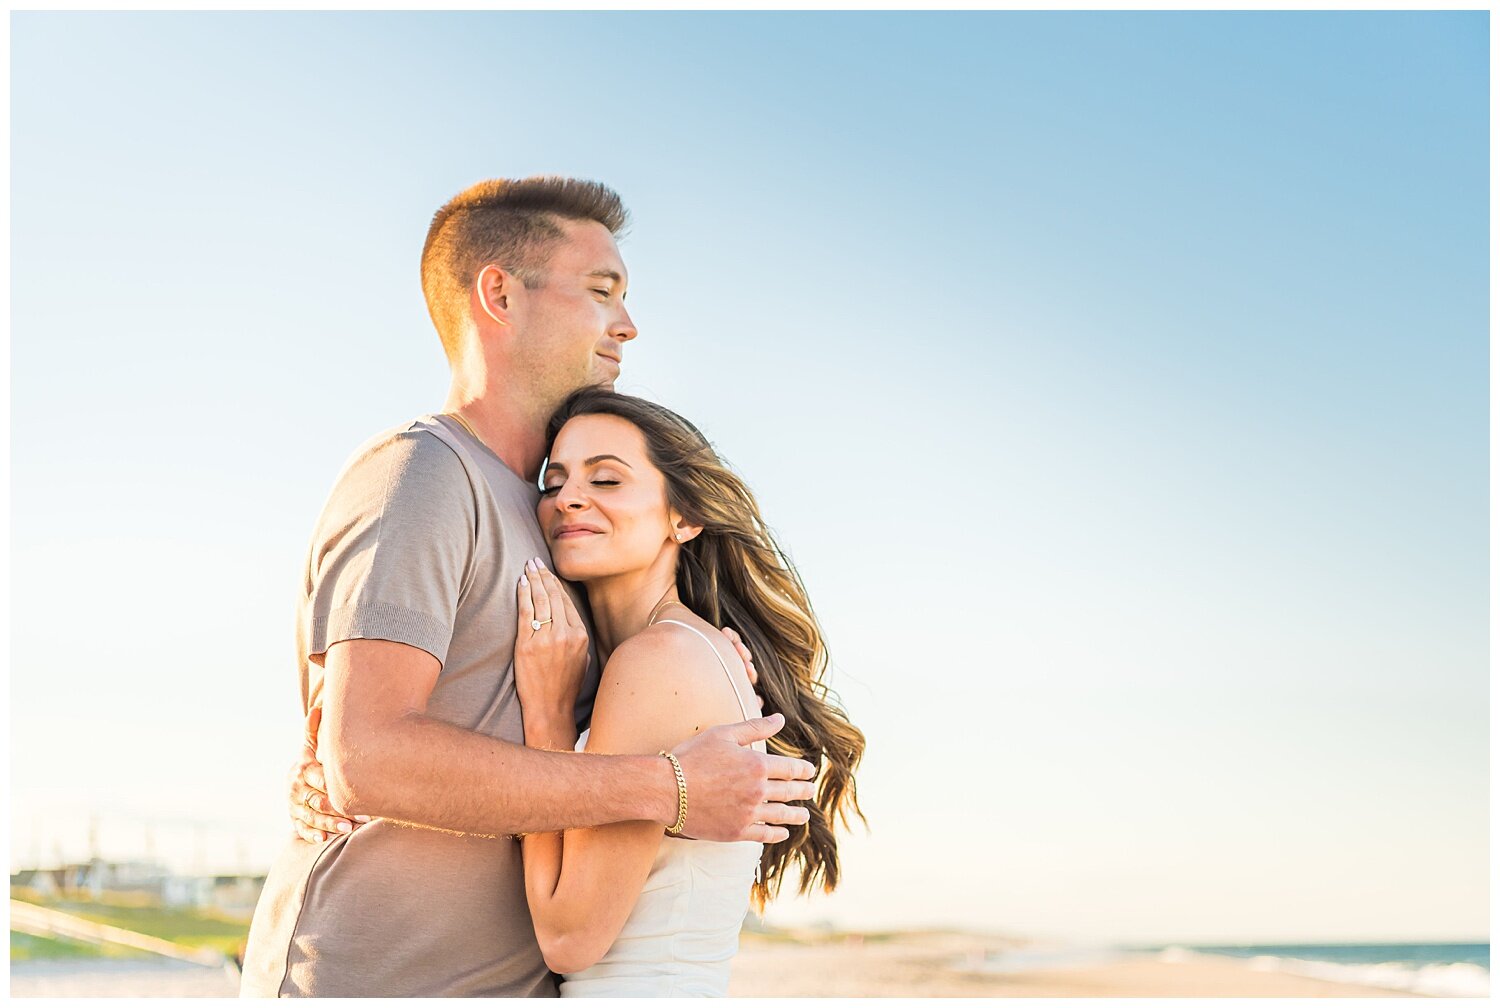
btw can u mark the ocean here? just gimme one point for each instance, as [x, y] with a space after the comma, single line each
[1444, 970]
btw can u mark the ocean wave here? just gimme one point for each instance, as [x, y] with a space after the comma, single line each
[1433, 979]
[1457, 979]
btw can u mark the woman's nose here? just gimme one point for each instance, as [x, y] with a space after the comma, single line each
[569, 499]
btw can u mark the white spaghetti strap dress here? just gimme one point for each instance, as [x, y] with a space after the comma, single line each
[685, 928]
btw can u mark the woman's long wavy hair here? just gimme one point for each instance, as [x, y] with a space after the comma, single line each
[734, 574]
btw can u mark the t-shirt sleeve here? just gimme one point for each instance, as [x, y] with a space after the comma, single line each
[392, 547]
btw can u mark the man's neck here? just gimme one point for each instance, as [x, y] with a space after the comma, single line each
[509, 426]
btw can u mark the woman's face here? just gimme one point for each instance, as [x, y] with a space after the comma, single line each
[604, 505]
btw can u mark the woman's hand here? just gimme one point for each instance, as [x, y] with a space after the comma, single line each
[313, 815]
[552, 649]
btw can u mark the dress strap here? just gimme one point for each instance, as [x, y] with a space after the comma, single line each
[729, 675]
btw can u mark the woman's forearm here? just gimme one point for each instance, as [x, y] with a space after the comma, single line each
[542, 853]
[562, 928]
[555, 732]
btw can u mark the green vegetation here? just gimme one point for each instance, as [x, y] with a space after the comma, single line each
[183, 925]
[25, 946]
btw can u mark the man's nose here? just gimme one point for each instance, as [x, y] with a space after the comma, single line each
[623, 329]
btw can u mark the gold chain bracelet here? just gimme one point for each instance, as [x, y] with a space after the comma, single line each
[676, 830]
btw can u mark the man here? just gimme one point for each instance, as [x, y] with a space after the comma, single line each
[406, 634]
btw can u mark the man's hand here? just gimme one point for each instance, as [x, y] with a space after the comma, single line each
[736, 793]
[744, 653]
[749, 660]
[313, 816]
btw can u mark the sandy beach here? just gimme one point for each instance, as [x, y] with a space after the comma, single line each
[156, 977]
[951, 965]
[910, 965]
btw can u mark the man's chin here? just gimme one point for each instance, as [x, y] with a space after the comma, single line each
[605, 382]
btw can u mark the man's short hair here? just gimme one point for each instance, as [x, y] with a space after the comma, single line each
[509, 222]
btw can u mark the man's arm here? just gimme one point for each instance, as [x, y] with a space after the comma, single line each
[384, 757]
[314, 817]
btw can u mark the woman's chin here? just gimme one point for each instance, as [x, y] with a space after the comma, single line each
[578, 569]
[582, 569]
[568, 571]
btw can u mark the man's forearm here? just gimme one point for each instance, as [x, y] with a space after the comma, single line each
[431, 773]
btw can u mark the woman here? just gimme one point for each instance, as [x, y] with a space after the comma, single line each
[670, 545]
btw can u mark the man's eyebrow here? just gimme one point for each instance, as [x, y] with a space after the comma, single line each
[610, 275]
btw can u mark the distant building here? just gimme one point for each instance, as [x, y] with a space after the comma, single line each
[95, 877]
[236, 895]
[180, 891]
[231, 895]
[40, 881]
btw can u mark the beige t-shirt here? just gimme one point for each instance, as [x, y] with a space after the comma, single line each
[421, 541]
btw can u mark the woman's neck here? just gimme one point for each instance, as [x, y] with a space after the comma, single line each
[623, 604]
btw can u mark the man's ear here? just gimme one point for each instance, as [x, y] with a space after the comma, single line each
[494, 290]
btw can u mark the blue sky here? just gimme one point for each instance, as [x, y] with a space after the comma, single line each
[1117, 381]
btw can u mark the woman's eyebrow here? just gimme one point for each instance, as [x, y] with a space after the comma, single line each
[595, 460]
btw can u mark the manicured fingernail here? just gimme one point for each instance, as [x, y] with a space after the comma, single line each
[529, 563]
[540, 565]
[361, 818]
[524, 582]
[344, 827]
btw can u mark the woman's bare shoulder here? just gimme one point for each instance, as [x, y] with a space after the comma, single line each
[667, 654]
[660, 687]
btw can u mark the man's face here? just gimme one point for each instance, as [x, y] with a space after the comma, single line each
[573, 325]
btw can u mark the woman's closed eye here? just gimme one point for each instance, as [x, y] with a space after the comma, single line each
[549, 491]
